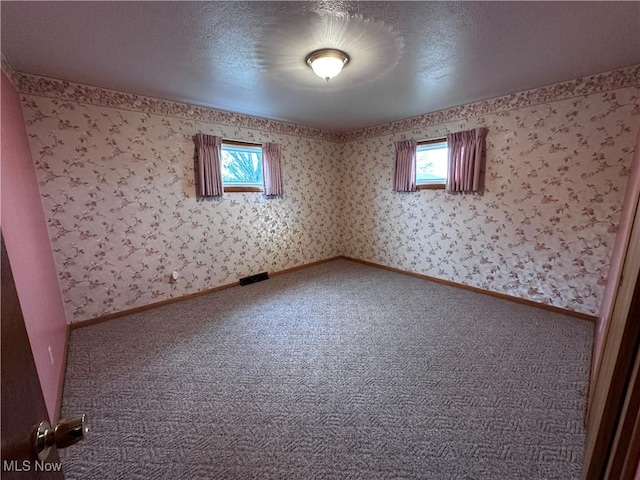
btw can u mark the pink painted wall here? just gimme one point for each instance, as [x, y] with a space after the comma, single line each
[632, 194]
[29, 249]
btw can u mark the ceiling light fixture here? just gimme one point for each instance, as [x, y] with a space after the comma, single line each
[327, 62]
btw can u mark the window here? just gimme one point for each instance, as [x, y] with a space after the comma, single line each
[431, 164]
[241, 167]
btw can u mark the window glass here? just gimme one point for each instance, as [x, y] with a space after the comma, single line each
[431, 163]
[241, 165]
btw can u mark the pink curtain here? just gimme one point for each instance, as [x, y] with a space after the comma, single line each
[405, 176]
[208, 150]
[272, 169]
[467, 152]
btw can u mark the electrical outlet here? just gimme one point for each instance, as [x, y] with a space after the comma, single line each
[50, 355]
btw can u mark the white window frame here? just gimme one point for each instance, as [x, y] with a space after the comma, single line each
[243, 187]
[438, 184]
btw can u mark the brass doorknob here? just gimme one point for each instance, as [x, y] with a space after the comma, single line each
[69, 430]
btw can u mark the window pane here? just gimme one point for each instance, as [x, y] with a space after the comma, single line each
[431, 163]
[241, 165]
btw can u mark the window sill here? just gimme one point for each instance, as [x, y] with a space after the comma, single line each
[243, 189]
[431, 186]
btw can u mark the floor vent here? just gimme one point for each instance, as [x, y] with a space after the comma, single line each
[258, 277]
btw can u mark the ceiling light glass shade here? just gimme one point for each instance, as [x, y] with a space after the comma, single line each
[328, 62]
[282, 48]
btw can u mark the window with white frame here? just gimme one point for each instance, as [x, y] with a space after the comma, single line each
[432, 164]
[241, 167]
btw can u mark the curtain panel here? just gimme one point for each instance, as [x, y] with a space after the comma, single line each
[272, 169]
[208, 153]
[467, 156]
[405, 174]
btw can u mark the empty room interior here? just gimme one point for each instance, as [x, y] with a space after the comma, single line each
[350, 239]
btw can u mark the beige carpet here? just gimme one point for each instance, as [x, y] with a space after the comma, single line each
[339, 371]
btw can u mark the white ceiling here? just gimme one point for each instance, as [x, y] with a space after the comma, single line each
[408, 58]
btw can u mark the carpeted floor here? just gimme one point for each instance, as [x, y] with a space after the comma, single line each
[339, 371]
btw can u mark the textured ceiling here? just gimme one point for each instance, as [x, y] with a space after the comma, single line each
[407, 58]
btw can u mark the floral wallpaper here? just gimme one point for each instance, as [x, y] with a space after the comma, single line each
[544, 228]
[118, 191]
[116, 179]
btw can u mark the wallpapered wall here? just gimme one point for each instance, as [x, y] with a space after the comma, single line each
[116, 178]
[118, 192]
[545, 226]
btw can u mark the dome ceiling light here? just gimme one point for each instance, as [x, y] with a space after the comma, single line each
[287, 47]
[327, 62]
